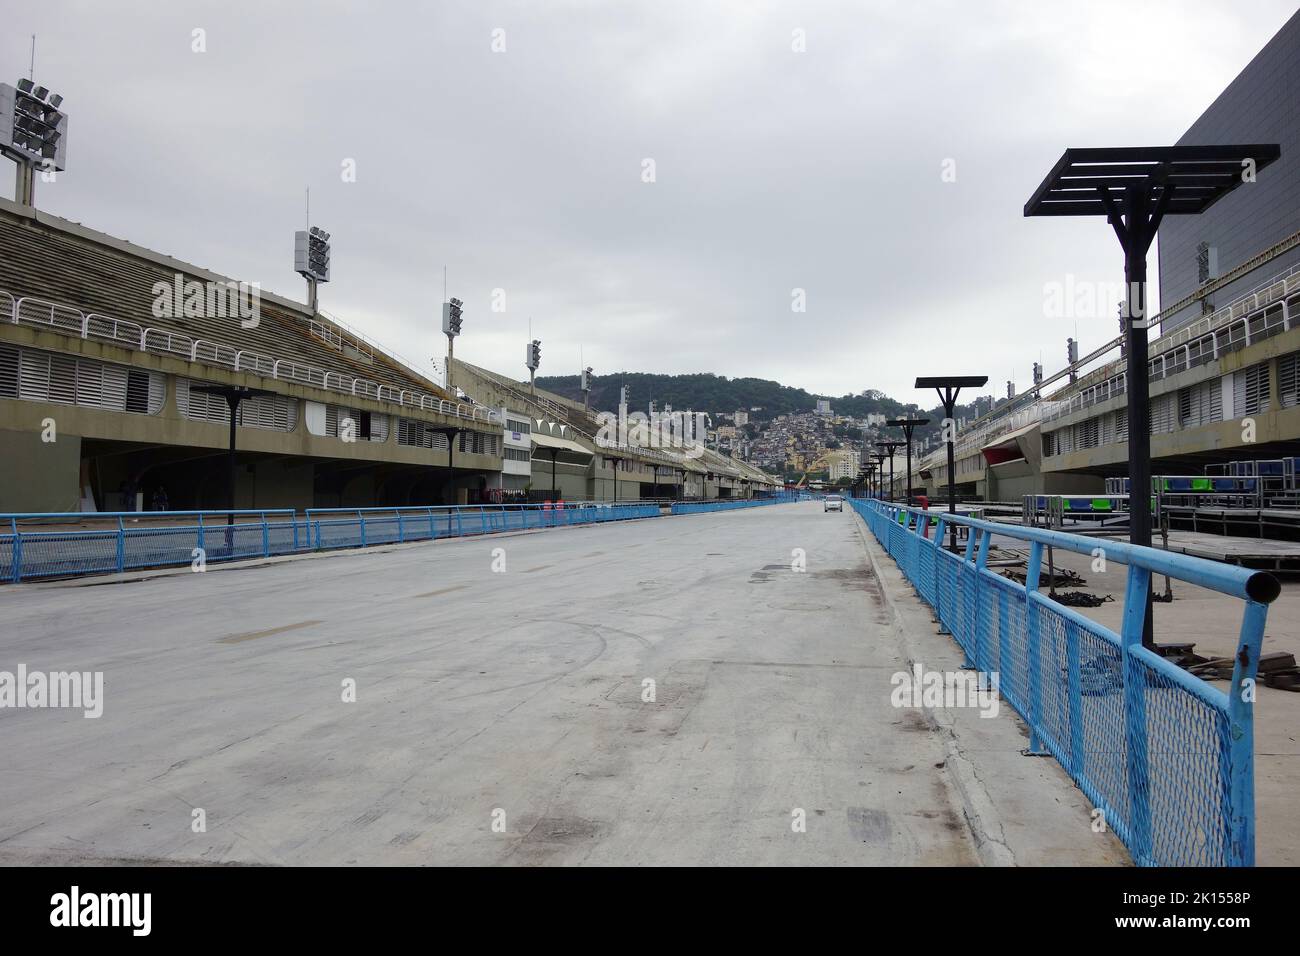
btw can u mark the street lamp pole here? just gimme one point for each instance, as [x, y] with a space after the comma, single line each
[948, 387]
[1135, 188]
[889, 447]
[908, 425]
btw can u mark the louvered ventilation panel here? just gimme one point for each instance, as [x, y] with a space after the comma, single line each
[1288, 379]
[8, 371]
[1250, 390]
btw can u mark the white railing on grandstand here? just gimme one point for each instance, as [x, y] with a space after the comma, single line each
[1171, 353]
[29, 310]
[335, 338]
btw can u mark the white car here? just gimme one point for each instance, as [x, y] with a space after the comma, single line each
[832, 503]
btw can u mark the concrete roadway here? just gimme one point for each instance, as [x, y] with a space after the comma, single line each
[484, 698]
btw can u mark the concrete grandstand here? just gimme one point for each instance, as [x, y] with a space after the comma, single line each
[1207, 377]
[85, 351]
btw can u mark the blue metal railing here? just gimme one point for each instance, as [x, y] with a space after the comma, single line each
[1167, 757]
[134, 539]
[361, 527]
[39, 545]
[700, 507]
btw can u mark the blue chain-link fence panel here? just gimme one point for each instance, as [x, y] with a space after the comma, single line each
[701, 507]
[1167, 757]
[34, 546]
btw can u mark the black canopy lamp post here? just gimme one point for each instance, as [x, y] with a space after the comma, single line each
[233, 394]
[613, 463]
[1135, 188]
[908, 425]
[948, 387]
[880, 475]
[453, 434]
[888, 447]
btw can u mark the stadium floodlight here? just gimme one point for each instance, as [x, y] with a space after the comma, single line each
[533, 360]
[33, 133]
[584, 383]
[451, 317]
[311, 259]
[1135, 188]
[908, 425]
[451, 320]
[948, 387]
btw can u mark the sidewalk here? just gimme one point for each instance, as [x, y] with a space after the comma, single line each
[1212, 621]
[1023, 811]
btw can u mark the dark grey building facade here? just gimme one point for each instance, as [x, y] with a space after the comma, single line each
[1262, 105]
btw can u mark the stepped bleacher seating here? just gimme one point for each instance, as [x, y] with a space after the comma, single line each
[45, 262]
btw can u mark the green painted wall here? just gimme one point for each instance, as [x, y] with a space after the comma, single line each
[39, 476]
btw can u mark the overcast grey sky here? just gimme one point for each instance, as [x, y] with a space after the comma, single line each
[522, 170]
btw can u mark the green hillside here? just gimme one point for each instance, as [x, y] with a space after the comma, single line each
[715, 394]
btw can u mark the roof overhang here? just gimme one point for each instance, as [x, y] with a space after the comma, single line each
[564, 449]
[1007, 447]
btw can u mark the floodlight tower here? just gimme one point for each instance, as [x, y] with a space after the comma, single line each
[533, 359]
[451, 320]
[584, 380]
[33, 133]
[311, 259]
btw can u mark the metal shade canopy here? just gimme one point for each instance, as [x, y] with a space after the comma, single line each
[1186, 179]
[1135, 188]
[951, 381]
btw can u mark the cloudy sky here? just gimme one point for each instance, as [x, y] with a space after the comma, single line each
[523, 169]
